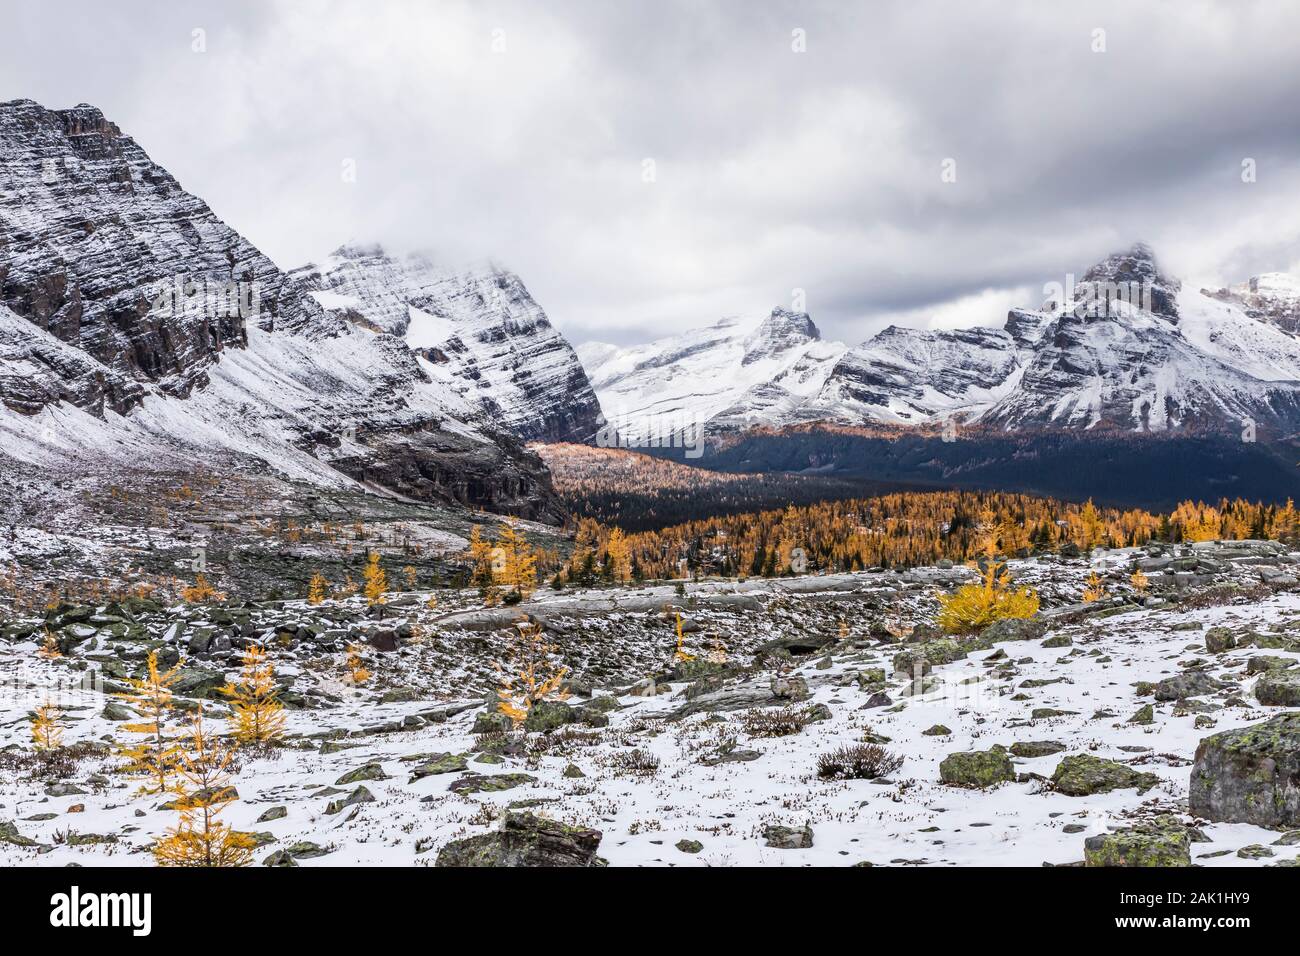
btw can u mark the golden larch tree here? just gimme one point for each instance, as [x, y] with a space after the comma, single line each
[47, 732]
[1094, 589]
[619, 552]
[680, 654]
[974, 606]
[1139, 581]
[376, 579]
[356, 665]
[151, 698]
[254, 697]
[201, 592]
[518, 562]
[202, 792]
[317, 588]
[530, 674]
[1088, 527]
[480, 558]
[49, 648]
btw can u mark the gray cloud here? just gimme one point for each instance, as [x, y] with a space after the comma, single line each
[774, 170]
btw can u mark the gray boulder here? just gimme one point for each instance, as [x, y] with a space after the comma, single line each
[1250, 775]
[1278, 689]
[525, 840]
[1190, 683]
[1161, 842]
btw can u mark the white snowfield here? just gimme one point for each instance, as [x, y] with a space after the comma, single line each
[909, 819]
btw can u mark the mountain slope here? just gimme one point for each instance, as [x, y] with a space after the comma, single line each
[728, 376]
[490, 341]
[137, 328]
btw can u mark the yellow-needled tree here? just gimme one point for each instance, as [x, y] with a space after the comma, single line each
[619, 553]
[530, 675]
[254, 697]
[518, 562]
[151, 698]
[974, 606]
[317, 588]
[203, 791]
[47, 732]
[376, 579]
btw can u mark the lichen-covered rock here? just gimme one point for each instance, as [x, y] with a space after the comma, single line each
[369, 771]
[1278, 689]
[1250, 775]
[9, 834]
[1013, 629]
[546, 715]
[1036, 748]
[485, 783]
[1262, 663]
[1144, 715]
[1190, 683]
[717, 698]
[788, 838]
[1081, 775]
[525, 840]
[926, 655]
[1219, 639]
[198, 682]
[490, 722]
[1162, 842]
[977, 768]
[356, 797]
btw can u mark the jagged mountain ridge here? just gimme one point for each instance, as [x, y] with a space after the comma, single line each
[115, 349]
[1169, 359]
[730, 375]
[479, 329]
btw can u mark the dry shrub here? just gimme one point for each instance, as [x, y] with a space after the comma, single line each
[636, 761]
[858, 762]
[775, 723]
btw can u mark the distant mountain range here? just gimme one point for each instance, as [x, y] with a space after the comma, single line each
[137, 329]
[1189, 359]
[1143, 398]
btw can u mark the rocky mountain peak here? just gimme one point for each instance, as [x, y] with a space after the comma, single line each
[780, 331]
[478, 326]
[1136, 271]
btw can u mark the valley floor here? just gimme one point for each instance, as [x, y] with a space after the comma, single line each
[665, 786]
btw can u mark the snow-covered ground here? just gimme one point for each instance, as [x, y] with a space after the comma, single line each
[911, 818]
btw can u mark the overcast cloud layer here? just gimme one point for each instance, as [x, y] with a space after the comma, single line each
[521, 131]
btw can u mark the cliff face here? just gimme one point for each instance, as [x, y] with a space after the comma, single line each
[135, 324]
[480, 327]
[103, 249]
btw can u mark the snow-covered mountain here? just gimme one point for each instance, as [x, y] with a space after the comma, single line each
[138, 329]
[733, 374]
[479, 330]
[1154, 357]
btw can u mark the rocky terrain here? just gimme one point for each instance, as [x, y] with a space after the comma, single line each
[1157, 728]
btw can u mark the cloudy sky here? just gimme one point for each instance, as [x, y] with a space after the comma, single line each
[648, 166]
